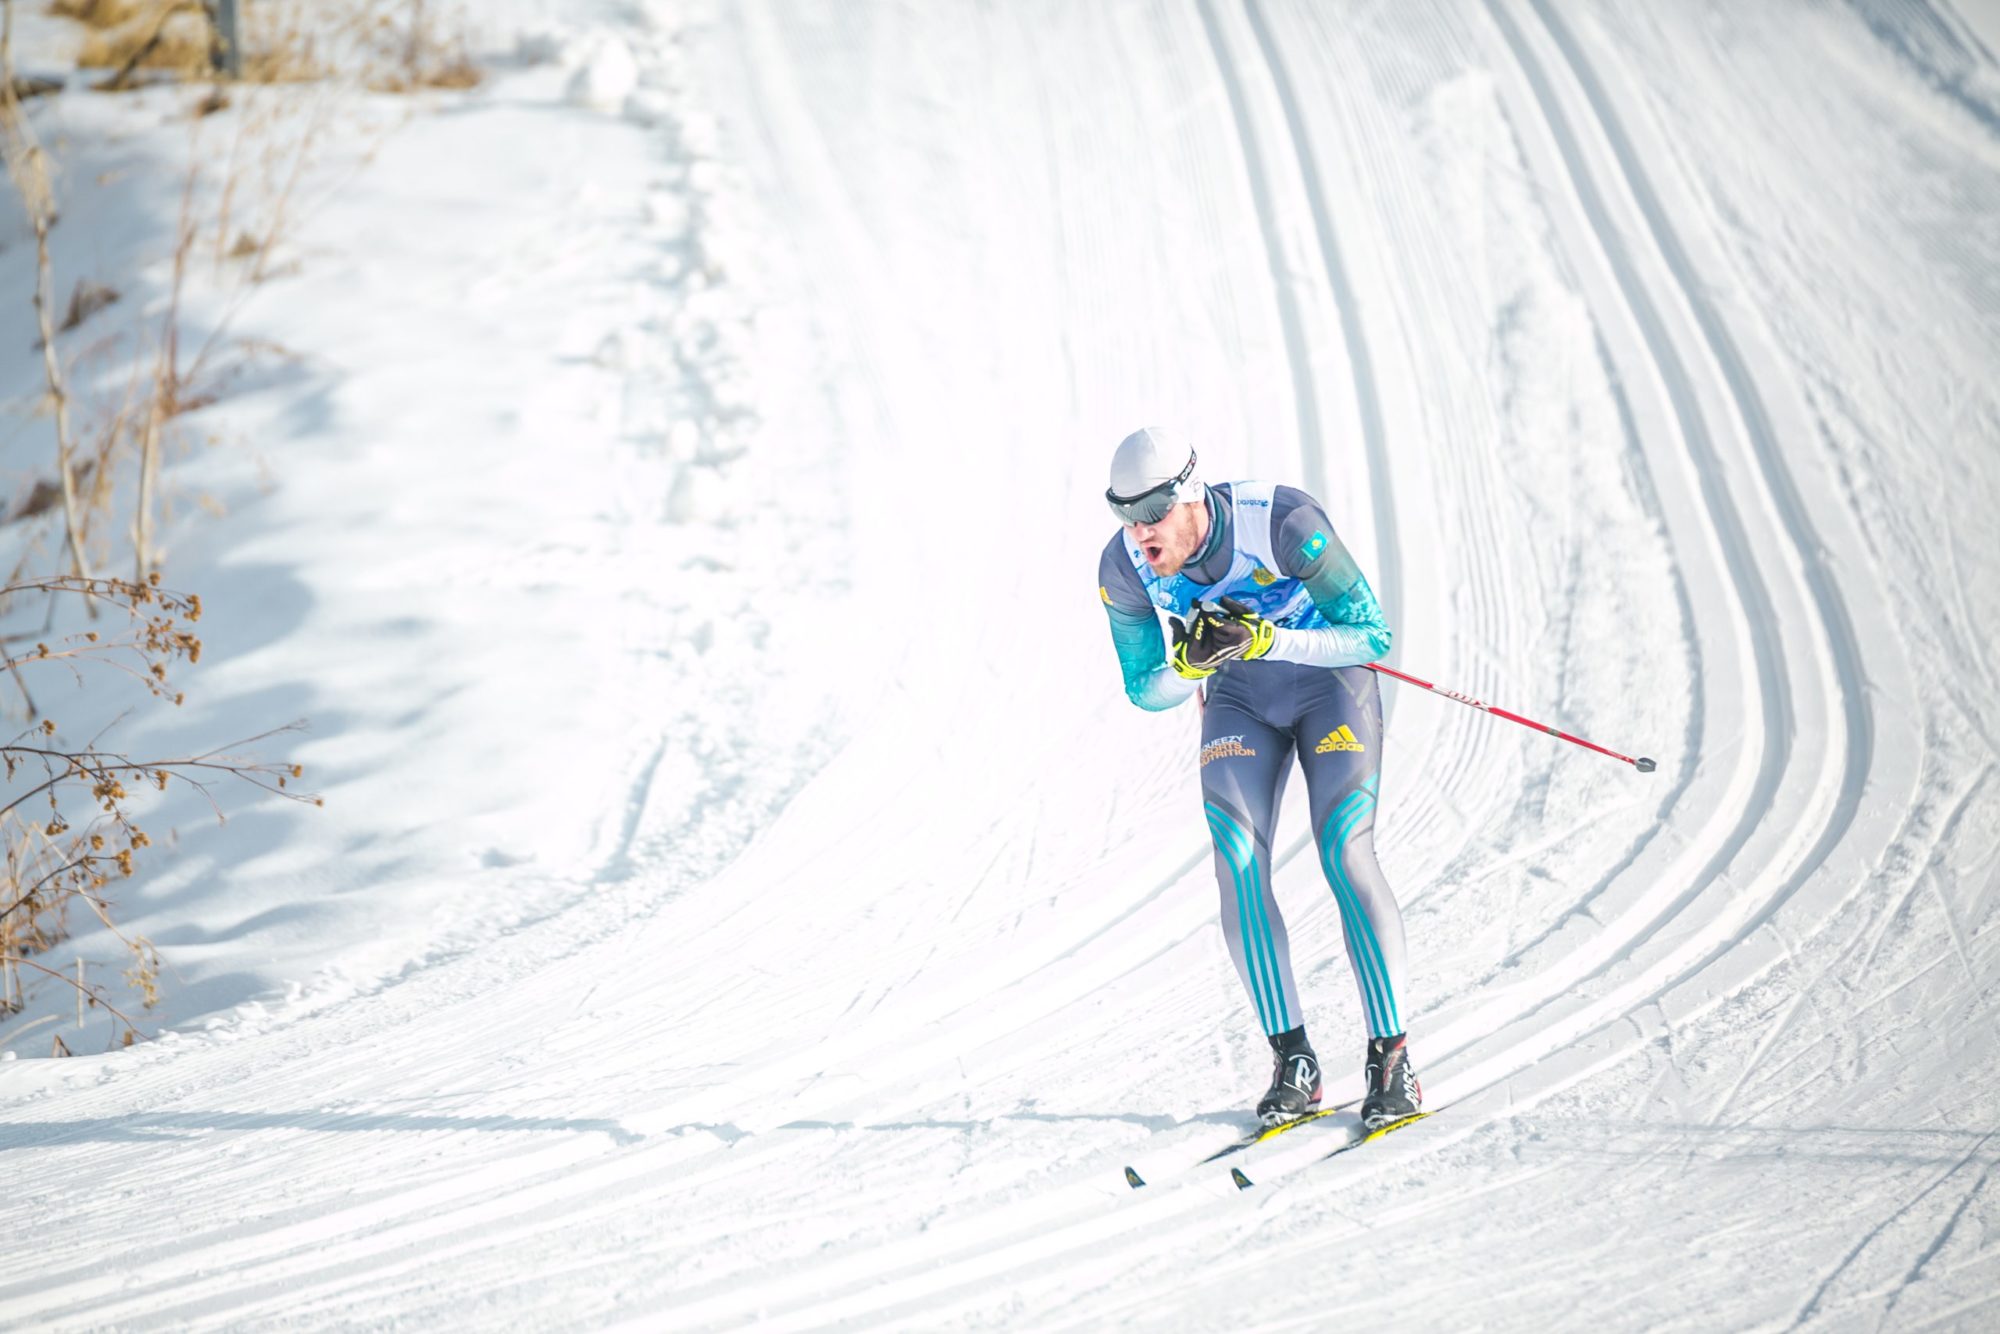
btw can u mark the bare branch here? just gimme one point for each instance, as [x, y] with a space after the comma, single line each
[93, 994]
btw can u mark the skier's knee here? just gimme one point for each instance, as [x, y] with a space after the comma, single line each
[1350, 862]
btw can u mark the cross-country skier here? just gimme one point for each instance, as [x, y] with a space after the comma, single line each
[1271, 620]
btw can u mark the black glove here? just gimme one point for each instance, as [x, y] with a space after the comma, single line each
[1215, 635]
[1190, 658]
[1244, 626]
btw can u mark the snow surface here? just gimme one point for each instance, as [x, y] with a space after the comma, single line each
[743, 895]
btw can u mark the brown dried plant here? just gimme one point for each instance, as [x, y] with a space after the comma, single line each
[67, 820]
[127, 432]
[390, 46]
[386, 45]
[28, 168]
[172, 36]
[99, 13]
[67, 811]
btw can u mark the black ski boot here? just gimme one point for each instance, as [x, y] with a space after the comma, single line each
[1393, 1091]
[1294, 1080]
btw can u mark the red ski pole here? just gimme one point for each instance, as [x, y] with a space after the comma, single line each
[1642, 764]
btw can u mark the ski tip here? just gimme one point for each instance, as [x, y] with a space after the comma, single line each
[1133, 1179]
[1643, 765]
[1242, 1182]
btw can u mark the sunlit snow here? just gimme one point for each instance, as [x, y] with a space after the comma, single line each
[744, 895]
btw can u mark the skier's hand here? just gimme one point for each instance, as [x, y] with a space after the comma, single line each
[1241, 625]
[1187, 658]
[1215, 635]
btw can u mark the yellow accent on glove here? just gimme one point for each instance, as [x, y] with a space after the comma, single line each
[1257, 633]
[1182, 667]
[1263, 634]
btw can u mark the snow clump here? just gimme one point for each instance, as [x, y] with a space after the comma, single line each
[606, 78]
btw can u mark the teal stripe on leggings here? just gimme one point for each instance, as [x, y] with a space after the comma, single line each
[1270, 948]
[1259, 949]
[1258, 952]
[1225, 841]
[1338, 827]
[1229, 838]
[1368, 951]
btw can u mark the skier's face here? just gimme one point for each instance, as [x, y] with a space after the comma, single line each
[1172, 542]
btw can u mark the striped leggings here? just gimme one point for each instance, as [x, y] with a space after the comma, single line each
[1258, 715]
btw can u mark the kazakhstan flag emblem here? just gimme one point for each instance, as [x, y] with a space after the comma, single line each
[1314, 545]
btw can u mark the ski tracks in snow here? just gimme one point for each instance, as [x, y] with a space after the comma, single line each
[811, 1059]
[1653, 287]
[1291, 169]
[1733, 816]
[1756, 831]
[1353, 336]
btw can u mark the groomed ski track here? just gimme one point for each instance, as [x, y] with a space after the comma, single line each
[1636, 362]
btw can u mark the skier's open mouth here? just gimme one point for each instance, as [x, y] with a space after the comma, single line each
[1153, 552]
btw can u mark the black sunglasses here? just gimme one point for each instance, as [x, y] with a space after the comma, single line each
[1152, 504]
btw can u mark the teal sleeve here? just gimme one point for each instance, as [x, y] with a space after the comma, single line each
[1311, 552]
[1135, 633]
[1142, 657]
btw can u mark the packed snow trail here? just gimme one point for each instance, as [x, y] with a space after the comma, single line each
[1643, 357]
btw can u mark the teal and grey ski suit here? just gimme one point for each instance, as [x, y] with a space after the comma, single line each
[1273, 549]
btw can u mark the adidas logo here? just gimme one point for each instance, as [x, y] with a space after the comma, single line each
[1340, 738]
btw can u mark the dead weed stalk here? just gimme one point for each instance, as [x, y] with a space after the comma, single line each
[387, 45]
[28, 168]
[67, 818]
[67, 809]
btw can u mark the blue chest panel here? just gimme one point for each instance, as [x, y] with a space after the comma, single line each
[1271, 595]
[1252, 578]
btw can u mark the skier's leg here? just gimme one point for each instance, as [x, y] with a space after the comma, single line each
[1340, 749]
[1243, 765]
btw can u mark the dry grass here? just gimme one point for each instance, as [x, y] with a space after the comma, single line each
[100, 13]
[415, 46]
[456, 71]
[85, 300]
[68, 826]
[389, 45]
[174, 37]
[402, 46]
[66, 829]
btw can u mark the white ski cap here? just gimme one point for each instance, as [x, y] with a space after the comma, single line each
[1150, 456]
